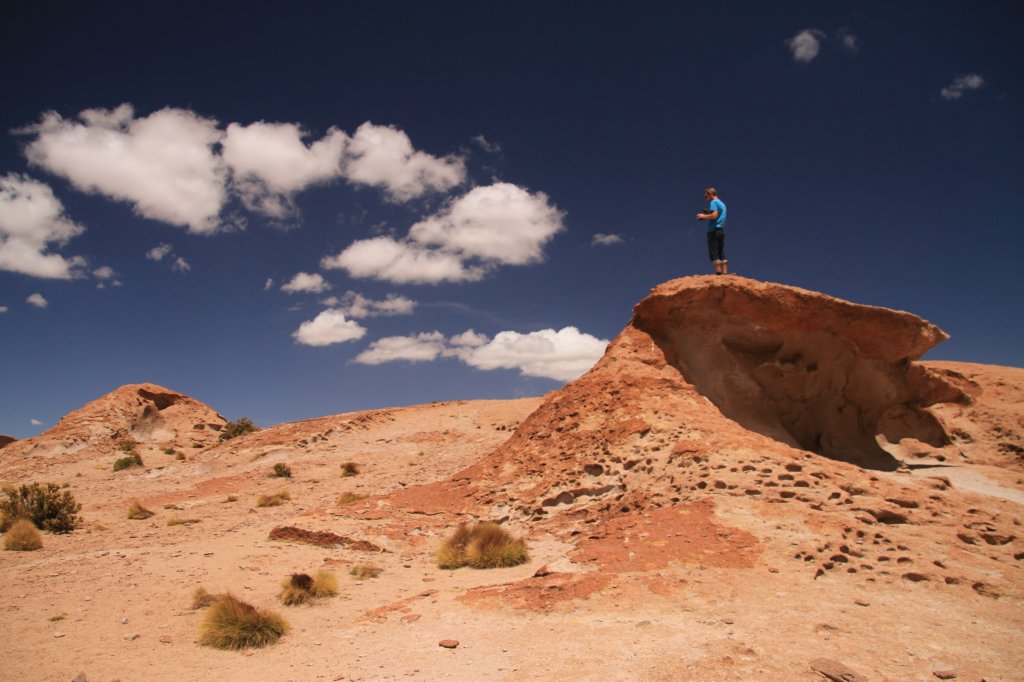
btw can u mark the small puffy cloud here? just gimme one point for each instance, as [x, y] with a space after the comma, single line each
[605, 239]
[270, 163]
[158, 252]
[401, 262]
[327, 328]
[499, 224]
[419, 348]
[181, 265]
[269, 284]
[35, 422]
[806, 44]
[486, 145]
[847, 39]
[305, 282]
[32, 220]
[383, 156]
[3, 309]
[962, 84]
[37, 300]
[562, 355]
[104, 272]
[356, 305]
[162, 164]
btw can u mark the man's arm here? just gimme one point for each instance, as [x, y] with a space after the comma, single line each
[708, 216]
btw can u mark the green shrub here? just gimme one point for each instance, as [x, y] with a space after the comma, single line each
[127, 445]
[485, 545]
[238, 428]
[282, 470]
[48, 507]
[128, 462]
[23, 536]
[230, 623]
[349, 469]
[170, 451]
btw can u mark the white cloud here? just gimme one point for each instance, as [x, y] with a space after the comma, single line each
[419, 348]
[847, 39]
[162, 164]
[305, 282]
[383, 156]
[560, 355]
[487, 146]
[962, 84]
[605, 239]
[806, 44]
[500, 224]
[358, 306]
[271, 163]
[157, 253]
[31, 220]
[3, 309]
[37, 300]
[328, 327]
[35, 422]
[401, 262]
[104, 272]
[181, 265]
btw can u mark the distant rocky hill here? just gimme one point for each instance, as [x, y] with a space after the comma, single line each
[149, 414]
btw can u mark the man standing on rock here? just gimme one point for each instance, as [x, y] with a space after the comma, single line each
[715, 215]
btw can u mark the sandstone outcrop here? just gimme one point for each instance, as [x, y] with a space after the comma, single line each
[6, 440]
[146, 413]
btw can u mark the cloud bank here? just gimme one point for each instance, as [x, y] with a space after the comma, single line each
[961, 85]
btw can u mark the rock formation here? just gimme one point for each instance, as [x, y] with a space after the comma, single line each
[6, 440]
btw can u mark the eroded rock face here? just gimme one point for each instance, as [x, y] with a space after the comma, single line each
[812, 371]
[6, 440]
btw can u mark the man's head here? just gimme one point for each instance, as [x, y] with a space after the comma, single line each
[710, 193]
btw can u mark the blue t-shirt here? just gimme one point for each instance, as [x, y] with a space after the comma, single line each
[718, 222]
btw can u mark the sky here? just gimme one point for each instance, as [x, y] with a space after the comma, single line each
[293, 210]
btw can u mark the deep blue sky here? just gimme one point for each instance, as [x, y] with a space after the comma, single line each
[849, 173]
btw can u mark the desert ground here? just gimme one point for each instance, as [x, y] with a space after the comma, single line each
[755, 483]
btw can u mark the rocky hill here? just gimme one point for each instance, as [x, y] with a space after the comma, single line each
[756, 482]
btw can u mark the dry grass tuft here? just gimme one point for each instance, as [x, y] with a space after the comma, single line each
[23, 536]
[349, 498]
[230, 623]
[137, 512]
[201, 598]
[301, 588]
[229, 498]
[364, 571]
[275, 500]
[281, 470]
[182, 522]
[485, 545]
[350, 469]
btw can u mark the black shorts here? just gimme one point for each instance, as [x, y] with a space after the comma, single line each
[716, 244]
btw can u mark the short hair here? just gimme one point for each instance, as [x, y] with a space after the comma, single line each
[712, 191]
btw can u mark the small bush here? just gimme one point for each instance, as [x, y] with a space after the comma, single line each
[282, 470]
[349, 498]
[349, 469]
[23, 536]
[170, 451]
[127, 445]
[202, 599]
[485, 545]
[137, 512]
[47, 507]
[230, 623]
[301, 588]
[182, 522]
[197, 446]
[364, 571]
[180, 457]
[57, 618]
[128, 462]
[275, 500]
[229, 498]
[238, 428]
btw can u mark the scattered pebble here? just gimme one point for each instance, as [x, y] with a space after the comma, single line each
[166, 639]
[132, 637]
[58, 635]
[945, 674]
[448, 643]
